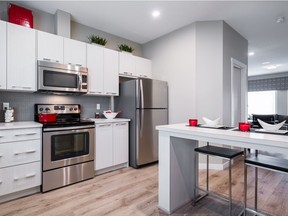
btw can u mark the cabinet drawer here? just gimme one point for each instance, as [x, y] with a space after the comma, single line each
[20, 134]
[20, 177]
[14, 153]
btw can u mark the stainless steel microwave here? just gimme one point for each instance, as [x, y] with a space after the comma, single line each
[62, 78]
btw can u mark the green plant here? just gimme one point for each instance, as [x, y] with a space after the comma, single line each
[126, 48]
[97, 39]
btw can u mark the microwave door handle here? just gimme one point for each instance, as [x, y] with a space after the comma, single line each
[79, 81]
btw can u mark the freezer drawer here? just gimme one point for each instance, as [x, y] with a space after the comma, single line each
[146, 134]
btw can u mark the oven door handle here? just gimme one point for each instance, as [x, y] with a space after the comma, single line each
[68, 128]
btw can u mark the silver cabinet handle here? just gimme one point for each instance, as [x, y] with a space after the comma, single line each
[30, 175]
[125, 72]
[46, 59]
[78, 65]
[94, 92]
[113, 93]
[26, 176]
[1, 182]
[23, 87]
[28, 134]
[1, 155]
[26, 152]
[105, 125]
[120, 124]
[1, 136]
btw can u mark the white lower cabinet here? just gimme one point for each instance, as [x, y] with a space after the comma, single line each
[20, 159]
[111, 145]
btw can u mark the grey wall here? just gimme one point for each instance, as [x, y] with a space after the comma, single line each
[234, 46]
[209, 69]
[23, 103]
[81, 32]
[173, 57]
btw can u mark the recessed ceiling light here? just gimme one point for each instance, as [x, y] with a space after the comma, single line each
[264, 63]
[272, 66]
[156, 13]
[251, 53]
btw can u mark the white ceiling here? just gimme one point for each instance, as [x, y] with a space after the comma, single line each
[255, 20]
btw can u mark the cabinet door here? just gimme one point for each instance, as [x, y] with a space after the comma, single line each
[95, 62]
[104, 146]
[21, 58]
[120, 142]
[111, 72]
[50, 47]
[74, 52]
[126, 64]
[3, 42]
[143, 67]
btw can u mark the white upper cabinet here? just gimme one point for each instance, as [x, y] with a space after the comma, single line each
[111, 72]
[95, 65]
[21, 58]
[126, 64]
[103, 71]
[49, 47]
[3, 42]
[143, 67]
[74, 52]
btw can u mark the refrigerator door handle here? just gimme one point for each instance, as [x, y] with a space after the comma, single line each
[141, 121]
[141, 95]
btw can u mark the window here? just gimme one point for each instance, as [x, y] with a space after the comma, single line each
[262, 102]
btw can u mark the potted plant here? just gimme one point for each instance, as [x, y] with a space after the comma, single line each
[125, 48]
[97, 40]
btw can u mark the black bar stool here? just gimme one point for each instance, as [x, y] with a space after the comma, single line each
[223, 153]
[263, 162]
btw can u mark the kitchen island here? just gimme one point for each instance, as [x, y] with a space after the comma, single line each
[176, 157]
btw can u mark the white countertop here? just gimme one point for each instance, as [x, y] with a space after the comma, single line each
[228, 136]
[104, 120]
[19, 125]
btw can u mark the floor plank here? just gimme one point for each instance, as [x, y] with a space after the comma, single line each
[135, 192]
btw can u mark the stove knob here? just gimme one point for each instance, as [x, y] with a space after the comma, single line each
[71, 109]
[41, 109]
[47, 109]
[75, 108]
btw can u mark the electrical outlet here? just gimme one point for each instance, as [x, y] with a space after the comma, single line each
[5, 105]
[98, 106]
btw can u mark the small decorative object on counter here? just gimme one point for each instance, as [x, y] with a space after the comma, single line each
[193, 122]
[125, 48]
[109, 114]
[244, 126]
[97, 115]
[9, 114]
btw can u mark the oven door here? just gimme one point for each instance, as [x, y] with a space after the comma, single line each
[66, 147]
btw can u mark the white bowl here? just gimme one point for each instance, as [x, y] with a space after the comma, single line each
[271, 127]
[211, 122]
[110, 115]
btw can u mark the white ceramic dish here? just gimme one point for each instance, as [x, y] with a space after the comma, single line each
[271, 127]
[110, 115]
[209, 122]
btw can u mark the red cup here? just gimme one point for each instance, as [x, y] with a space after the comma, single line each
[193, 122]
[244, 126]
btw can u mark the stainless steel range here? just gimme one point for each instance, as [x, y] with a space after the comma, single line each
[68, 146]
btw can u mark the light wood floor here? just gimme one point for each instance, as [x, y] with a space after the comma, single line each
[135, 192]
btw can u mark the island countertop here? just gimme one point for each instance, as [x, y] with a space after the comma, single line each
[177, 170]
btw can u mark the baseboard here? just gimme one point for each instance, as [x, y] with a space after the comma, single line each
[112, 168]
[215, 166]
[19, 194]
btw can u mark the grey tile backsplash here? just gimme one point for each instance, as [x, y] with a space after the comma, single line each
[23, 103]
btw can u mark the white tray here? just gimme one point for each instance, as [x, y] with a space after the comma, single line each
[272, 132]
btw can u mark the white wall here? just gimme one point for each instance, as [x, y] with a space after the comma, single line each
[173, 57]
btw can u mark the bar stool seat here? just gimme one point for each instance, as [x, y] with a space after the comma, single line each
[221, 152]
[264, 162]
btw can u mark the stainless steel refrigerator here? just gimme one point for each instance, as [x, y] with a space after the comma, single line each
[145, 102]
